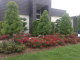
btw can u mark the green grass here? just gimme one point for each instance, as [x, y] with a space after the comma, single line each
[71, 52]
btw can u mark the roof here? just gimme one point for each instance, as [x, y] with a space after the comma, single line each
[57, 12]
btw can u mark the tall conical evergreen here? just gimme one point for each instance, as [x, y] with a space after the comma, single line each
[12, 22]
[44, 25]
[65, 25]
[78, 23]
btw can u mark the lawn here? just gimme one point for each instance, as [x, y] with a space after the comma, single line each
[71, 52]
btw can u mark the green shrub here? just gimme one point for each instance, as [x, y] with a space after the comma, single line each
[65, 25]
[53, 30]
[57, 25]
[78, 23]
[20, 48]
[11, 48]
[12, 22]
[35, 30]
[0, 26]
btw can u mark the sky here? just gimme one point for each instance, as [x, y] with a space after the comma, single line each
[71, 6]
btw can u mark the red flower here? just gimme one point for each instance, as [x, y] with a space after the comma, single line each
[5, 36]
[50, 42]
[1, 38]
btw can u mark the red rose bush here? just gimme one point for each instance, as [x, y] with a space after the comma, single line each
[48, 40]
[3, 37]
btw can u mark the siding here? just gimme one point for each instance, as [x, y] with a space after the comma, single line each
[23, 7]
[57, 12]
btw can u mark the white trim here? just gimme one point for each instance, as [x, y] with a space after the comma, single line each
[54, 18]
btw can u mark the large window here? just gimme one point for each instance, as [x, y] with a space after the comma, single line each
[38, 14]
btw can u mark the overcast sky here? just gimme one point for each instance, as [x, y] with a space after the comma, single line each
[71, 6]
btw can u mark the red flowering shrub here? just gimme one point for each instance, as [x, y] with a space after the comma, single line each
[48, 40]
[3, 37]
[28, 35]
[21, 38]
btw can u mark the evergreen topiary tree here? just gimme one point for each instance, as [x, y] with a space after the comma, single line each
[12, 22]
[44, 25]
[65, 25]
[78, 23]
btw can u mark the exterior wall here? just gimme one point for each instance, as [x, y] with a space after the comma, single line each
[39, 2]
[54, 18]
[27, 8]
[23, 7]
[33, 8]
[74, 19]
[57, 12]
[27, 20]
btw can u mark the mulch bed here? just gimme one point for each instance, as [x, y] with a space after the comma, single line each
[28, 50]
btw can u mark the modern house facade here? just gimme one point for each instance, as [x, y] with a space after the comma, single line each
[74, 22]
[32, 10]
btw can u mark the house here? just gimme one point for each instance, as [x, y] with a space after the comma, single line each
[32, 9]
[74, 22]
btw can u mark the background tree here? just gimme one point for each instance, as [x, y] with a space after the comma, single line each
[78, 23]
[65, 25]
[12, 22]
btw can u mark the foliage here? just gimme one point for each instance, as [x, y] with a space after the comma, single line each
[57, 24]
[78, 23]
[28, 35]
[65, 25]
[35, 29]
[44, 26]
[0, 26]
[53, 29]
[24, 24]
[24, 19]
[20, 48]
[49, 40]
[11, 47]
[21, 39]
[12, 22]
[3, 37]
